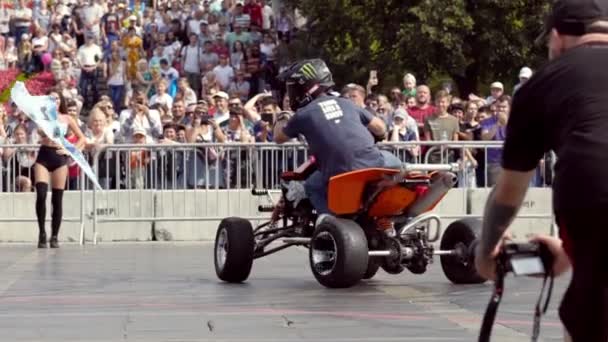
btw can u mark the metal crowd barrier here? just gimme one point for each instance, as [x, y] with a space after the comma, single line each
[206, 182]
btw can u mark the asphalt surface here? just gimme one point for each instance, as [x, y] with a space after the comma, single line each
[169, 292]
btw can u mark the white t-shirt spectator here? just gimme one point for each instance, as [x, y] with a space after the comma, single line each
[40, 41]
[91, 14]
[87, 53]
[267, 14]
[62, 10]
[106, 137]
[165, 99]
[224, 75]
[194, 26]
[171, 51]
[268, 50]
[189, 97]
[5, 16]
[191, 55]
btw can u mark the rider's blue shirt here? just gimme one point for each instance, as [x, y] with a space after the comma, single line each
[336, 131]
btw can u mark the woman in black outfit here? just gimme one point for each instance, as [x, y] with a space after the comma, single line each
[52, 165]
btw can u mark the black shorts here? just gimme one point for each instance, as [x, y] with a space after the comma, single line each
[584, 308]
[50, 159]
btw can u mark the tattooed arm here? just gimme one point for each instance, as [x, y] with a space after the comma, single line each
[501, 208]
[496, 220]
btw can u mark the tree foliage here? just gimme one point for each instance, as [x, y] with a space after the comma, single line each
[471, 42]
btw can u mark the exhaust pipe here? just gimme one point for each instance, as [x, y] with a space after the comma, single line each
[438, 188]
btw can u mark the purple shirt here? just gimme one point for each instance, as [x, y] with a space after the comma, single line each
[494, 155]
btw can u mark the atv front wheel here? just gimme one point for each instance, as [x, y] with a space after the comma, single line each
[459, 268]
[338, 253]
[234, 244]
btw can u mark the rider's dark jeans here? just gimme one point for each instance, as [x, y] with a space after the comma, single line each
[316, 185]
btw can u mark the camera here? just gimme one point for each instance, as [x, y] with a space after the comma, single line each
[526, 259]
[205, 119]
[267, 118]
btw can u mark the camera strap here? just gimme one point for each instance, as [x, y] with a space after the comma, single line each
[492, 309]
[490, 315]
[537, 311]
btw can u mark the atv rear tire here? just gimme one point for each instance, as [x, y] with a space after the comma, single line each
[461, 234]
[234, 244]
[338, 253]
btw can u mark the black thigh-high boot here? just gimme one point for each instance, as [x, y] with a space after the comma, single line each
[56, 215]
[41, 190]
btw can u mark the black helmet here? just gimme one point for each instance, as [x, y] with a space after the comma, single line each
[306, 80]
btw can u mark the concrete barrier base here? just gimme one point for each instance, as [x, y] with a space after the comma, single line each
[193, 215]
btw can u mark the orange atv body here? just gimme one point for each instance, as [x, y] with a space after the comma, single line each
[346, 193]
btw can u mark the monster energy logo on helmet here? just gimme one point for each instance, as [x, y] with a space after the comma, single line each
[308, 70]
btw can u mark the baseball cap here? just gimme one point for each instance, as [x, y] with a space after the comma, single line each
[222, 95]
[497, 85]
[400, 113]
[525, 72]
[572, 17]
[139, 131]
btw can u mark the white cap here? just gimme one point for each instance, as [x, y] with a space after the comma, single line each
[222, 95]
[139, 130]
[525, 72]
[497, 85]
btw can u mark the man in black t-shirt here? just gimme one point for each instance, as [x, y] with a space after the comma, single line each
[564, 108]
[340, 134]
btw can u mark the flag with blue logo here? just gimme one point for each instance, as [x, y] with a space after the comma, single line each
[42, 110]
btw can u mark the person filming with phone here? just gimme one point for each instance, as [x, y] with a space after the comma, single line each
[262, 110]
[564, 108]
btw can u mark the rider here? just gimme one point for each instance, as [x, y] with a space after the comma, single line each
[340, 135]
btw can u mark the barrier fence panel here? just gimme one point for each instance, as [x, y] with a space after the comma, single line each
[181, 191]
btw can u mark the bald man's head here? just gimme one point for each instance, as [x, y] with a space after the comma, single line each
[423, 95]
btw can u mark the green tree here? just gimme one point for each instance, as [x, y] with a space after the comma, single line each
[471, 42]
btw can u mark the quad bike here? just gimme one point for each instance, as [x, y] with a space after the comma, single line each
[381, 219]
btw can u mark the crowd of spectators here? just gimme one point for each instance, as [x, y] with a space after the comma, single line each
[201, 71]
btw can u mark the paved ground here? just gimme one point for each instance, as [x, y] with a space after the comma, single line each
[169, 292]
